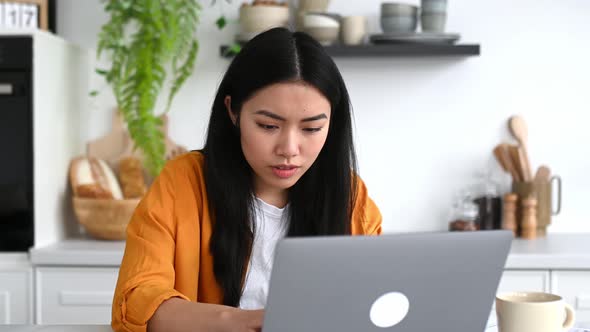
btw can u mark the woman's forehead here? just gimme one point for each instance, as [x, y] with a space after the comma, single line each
[289, 97]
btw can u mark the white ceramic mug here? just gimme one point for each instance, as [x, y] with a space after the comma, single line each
[533, 311]
[353, 29]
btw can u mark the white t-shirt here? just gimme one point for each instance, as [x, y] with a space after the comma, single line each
[271, 226]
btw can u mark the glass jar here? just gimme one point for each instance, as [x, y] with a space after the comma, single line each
[489, 202]
[464, 215]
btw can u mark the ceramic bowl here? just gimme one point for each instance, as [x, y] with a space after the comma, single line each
[392, 24]
[433, 6]
[261, 18]
[313, 5]
[318, 20]
[398, 9]
[324, 35]
[433, 22]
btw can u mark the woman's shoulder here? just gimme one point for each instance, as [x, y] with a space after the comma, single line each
[366, 217]
[193, 160]
[188, 166]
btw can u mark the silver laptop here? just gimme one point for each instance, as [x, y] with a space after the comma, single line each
[418, 282]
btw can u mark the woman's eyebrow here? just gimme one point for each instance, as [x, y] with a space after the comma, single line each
[270, 115]
[280, 118]
[315, 117]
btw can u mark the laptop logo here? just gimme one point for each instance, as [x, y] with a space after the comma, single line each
[389, 309]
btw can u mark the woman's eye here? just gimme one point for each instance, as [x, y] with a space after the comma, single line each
[312, 130]
[266, 127]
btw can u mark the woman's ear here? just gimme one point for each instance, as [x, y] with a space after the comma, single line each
[232, 116]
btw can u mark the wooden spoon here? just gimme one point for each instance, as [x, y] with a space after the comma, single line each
[519, 130]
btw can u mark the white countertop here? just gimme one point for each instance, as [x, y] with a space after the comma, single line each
[80, 252]
[56, 328]
[10, 259]
[557, 251]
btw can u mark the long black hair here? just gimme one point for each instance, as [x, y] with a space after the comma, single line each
[321, 202]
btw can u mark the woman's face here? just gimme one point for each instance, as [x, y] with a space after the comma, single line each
[283, 129]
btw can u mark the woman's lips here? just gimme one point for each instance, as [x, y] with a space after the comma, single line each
[284, 172]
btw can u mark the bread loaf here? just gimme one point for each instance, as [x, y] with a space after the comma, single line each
[131, 177]
[93, 178]
[92, 191]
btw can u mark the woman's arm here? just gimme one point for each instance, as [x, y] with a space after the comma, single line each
[366, 217]
[179, 315]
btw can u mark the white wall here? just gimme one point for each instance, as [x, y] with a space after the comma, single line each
[424, 126]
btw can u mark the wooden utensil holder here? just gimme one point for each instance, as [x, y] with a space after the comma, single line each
[542, 191]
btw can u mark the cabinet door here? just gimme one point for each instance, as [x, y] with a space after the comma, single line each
[574, 287]
[517, 280]
[16, 296]
[75, 295]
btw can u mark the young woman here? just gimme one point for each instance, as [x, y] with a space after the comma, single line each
[278, 161]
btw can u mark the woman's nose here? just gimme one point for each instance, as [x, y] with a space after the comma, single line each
[288, 145]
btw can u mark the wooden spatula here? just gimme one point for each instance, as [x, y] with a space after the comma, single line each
[519, 130]
[515, 157]
[502, 153]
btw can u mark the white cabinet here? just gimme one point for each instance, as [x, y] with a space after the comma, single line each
[72, 295]
[574, 287]
[515, 280]
[16, 295]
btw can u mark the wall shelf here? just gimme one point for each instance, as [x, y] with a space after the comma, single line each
[394, 50]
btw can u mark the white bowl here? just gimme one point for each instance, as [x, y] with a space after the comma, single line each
[320, 21]
[324, 35]
[261, 18]
[313, 5]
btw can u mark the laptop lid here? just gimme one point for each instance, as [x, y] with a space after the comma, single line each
[403, 282]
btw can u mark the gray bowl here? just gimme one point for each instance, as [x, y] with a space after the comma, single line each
[397, 9]
[433, 6]
[433, 22]
[391, 24]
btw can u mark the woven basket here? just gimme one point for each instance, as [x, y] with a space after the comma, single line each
[105, 219]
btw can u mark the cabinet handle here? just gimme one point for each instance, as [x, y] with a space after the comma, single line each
[86, 298]
[6, 89]
[583, 302]
[5, 308]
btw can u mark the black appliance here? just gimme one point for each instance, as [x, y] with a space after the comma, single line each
[16, 143]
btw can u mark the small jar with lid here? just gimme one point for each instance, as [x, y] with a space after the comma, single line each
[464, 217]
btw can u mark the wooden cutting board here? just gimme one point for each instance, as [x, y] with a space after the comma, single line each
[117, 144]
[110, 147]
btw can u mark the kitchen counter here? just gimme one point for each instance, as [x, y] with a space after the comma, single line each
[557, 251]
[14, 259]
[80, 252]
[56, 328]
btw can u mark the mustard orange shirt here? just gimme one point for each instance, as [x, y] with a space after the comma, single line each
[167, 249]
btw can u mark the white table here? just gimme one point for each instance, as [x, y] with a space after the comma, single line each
[55, 328]
[107, 328]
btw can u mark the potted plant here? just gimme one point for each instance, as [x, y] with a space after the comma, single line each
[149, 43]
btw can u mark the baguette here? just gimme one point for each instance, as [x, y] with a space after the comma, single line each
[93, 178]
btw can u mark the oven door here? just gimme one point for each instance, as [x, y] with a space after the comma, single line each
[16, 163]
